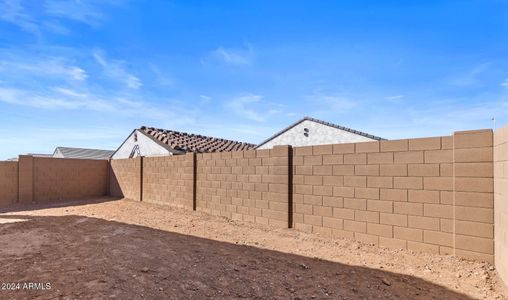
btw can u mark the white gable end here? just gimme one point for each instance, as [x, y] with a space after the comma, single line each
[316, 134]
[145, 147]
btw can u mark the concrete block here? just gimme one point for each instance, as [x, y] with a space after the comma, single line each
[423, 223]
[380, 158]
[343, 148]
[380, 230]
[408, 208]
[393, 170]
[476, 139]
[367, 216]
[424, 170]
[433, 143]
[412, 157]
[394, 146]
[423, 196]
[409, 234]
[372, 170]
[381, 206]
[367, 147]
[393, 194]
[367, 193]
[393, 219]
[415, 183]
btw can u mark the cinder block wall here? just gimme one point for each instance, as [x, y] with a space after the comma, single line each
[169, 180]
[501, 201]
[474, 194]
[57, 179]
[400, 194]
[250, 185]
[125, 178]
[43, 180]
[8, 183]
[26, 179]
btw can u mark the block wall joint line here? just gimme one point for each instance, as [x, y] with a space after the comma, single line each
[18, 181]
[33, 179]
[290, 186]
[194, 180]
[141, 178]
[454, 196]
[107, 192]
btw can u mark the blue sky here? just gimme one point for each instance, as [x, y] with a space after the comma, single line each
[85, 73]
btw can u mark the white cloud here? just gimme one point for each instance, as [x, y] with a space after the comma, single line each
[81, 11]
[13, 11]
[505, 83]
[204, 99]
[58, 98]
[336, 104]
[37, 17]
[230, 56]
[161, 78]
[49, 67]
[395, 98]
[470, 77]
[54, 26]
[240, 106]
[252, 107]
[64, 98]
[115, 70]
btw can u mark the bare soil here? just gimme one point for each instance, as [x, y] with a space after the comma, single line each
[122, 249]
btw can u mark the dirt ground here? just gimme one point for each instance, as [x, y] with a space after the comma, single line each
[123, 249]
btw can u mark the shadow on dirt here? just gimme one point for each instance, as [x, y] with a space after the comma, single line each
[95, 258]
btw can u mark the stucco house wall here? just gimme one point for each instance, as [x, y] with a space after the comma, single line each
[318, 134]
[147, 146]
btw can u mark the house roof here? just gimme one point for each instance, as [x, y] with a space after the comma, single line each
[323, 123]
[83, 153]
[187, 142]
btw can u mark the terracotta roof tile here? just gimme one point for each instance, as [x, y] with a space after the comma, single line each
[188, 142]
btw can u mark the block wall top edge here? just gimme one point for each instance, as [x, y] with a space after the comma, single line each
[472, 131]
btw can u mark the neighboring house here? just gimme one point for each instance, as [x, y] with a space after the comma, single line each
[82, 153]
[310, 131]
[149, 141]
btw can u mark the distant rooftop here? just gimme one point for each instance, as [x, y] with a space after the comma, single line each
[82, 153]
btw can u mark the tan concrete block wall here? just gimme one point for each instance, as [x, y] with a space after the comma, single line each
[474, 179]
[429, 194]
[125, 178]
[8, 183]
[400, 193]
[249, 185]
[57, 179]
[168, 180]
[500, 202]
[26, 179]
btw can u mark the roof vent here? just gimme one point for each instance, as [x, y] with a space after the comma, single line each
[306, 132]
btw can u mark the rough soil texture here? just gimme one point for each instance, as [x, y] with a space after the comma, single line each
[130, 250]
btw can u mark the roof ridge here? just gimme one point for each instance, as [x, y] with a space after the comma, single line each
[196, 135]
